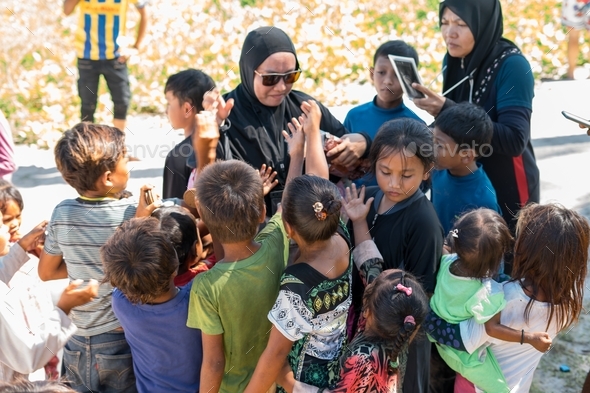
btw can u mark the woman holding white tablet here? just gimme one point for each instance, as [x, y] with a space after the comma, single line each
[482, 67]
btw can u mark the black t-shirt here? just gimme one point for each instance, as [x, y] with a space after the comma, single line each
[176, 170]
[410, 238]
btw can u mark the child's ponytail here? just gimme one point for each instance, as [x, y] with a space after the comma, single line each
[403, 338]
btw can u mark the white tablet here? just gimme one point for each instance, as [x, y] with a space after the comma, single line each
[407, 73]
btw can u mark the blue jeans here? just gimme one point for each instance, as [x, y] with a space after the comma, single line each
[99, 363]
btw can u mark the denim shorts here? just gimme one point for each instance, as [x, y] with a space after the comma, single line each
[100, 363]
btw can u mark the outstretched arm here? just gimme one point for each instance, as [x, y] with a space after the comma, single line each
[315, 158]
[205, 139]
[296, 142]
[541, 341]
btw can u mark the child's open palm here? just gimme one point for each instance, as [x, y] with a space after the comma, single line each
[268, 178]
[213, 101]
[295, 141]
[354, 205]
[311, 117]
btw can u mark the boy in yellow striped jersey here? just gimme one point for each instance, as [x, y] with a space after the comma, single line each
[101, 23]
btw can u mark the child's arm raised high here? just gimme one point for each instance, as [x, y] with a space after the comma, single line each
[296, 142]
[205, 139]
[315, 158]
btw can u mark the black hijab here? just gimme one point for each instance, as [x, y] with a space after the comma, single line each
[484, 18]
[255, 133]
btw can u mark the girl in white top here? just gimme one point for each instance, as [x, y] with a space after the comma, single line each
[545, 293]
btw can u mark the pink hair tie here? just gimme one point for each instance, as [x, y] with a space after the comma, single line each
[410, 319]
[401, 288]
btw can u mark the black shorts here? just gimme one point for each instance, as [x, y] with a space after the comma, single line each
[117, 78]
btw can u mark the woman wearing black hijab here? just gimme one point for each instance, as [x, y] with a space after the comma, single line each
[263, 104]
[490, 71]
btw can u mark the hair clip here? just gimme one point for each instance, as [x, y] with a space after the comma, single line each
[320, 212]
[410, 319]
[454, 233]
[402, 288]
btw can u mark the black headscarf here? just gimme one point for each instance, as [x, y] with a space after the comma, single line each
[255, 133]
[484, 18]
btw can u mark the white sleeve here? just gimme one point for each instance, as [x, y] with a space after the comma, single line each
[291, 316]
[11, 262]
[23, 351]
[473, 334]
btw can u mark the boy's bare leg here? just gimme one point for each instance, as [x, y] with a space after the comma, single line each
[573, 49]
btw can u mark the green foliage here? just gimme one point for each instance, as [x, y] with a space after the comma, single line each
[250, 3]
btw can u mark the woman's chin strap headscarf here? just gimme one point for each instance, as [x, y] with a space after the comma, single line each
[484, 18]
[258, 46]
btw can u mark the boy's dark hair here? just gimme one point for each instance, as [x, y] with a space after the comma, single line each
[403, 135]
[300, 197]
[190, 86]
[181, 229]
[139, 260]
[396, 48]
[551, 253]
[467, 124]
[231, 202]
[390, 306]
[86, 151]
[8, 192]
[481, 240]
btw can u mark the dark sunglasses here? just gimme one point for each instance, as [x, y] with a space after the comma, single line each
[273, 79]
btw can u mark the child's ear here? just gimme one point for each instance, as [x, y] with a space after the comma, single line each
[106, 179]
[288, 230]
[427, 171]
[263, 214]
[188, 110]
[371, 72]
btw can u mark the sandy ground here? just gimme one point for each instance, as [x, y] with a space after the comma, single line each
[562, 151]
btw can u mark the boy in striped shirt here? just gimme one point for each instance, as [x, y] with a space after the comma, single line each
[101, 23]
[92, 159]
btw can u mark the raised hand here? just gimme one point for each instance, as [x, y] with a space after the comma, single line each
[268, 179]
[354, 203]
[36, 236]
[213, 101]
[311, 117]
[295, 141]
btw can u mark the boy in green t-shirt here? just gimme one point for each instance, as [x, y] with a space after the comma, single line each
[229, 303]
